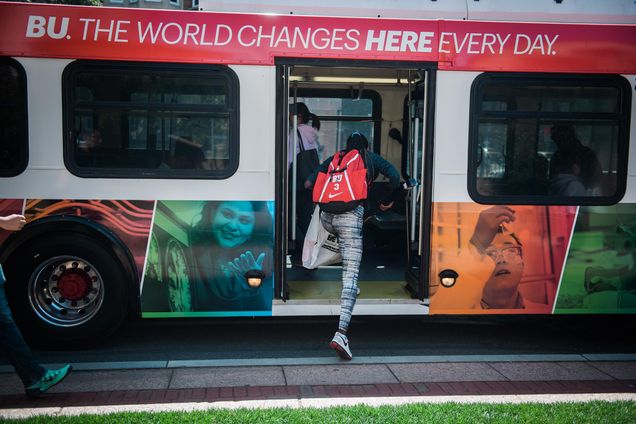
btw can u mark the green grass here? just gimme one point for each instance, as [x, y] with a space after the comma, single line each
[596, 412]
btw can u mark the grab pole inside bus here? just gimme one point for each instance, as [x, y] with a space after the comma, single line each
[415, 119]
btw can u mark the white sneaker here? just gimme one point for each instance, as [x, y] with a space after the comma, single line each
[340, 344]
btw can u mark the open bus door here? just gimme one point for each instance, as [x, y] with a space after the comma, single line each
[357, 96]
[282, 182]
[416, 171]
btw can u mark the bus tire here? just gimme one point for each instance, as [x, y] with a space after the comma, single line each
[66, 289]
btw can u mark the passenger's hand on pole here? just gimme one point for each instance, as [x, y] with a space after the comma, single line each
[13, 222]
[488, 225]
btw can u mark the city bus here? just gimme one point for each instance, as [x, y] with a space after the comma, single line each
[154, 155]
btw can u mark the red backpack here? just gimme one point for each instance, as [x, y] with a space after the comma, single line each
[344, 186]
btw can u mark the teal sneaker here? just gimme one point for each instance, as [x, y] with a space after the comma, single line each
[50, 379]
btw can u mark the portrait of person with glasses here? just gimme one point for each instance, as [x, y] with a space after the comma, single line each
[501, 290]
[491, 238]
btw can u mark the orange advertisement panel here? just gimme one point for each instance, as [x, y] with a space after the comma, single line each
[508, 259]
[128, 219]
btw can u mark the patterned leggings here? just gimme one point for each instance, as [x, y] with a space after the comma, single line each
[348, 228]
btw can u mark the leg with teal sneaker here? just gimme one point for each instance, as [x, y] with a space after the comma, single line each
[35, 377]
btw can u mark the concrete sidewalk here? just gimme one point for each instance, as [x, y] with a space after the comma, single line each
[303, 381]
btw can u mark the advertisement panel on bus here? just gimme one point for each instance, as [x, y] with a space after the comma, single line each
[119, 34]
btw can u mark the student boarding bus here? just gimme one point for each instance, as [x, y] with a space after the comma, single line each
[153, 155]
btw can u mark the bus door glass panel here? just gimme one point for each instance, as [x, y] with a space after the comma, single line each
[339, 117]
[284, 202]
[292, 141]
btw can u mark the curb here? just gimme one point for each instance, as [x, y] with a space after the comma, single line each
[308, 393]
[313, 403]
[331, 360]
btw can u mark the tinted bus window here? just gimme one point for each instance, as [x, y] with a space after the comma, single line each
[553, 139]
[13, 118]
[151, 120]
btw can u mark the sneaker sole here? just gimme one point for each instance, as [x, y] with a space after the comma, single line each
[340, 351]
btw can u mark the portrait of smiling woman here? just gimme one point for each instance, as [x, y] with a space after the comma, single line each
[231, 238]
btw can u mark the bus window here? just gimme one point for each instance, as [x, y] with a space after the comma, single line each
[150, 120]
[13, 118]
[552, 139]
[341, 112]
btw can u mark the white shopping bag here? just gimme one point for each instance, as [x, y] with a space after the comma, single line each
[320, 246]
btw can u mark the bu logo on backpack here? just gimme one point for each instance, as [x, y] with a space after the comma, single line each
[344, 186]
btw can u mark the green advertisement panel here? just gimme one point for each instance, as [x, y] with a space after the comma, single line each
[600, 273]
[198, 255]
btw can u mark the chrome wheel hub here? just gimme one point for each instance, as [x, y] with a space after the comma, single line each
[66, 291]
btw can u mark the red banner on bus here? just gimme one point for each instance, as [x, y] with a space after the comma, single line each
[206, 37]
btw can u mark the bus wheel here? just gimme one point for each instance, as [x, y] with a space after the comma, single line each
[66, 288]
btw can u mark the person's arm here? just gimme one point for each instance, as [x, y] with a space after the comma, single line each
[384, 167]
[323, 167]
[13, 222]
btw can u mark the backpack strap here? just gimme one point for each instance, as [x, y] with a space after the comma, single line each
[370, 169]
[341, 154]
[300, 138]
[351, 160]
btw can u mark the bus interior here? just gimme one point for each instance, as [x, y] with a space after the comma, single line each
[387, 106]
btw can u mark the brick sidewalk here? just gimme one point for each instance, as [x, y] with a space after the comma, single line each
[213, 394]
[166, 385]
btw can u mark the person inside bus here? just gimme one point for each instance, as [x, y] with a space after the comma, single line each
[347, 227]
[307, 160]
[89, 141]
[34, 376]
[568, 147]
[87, 145]
[231, 238]
[567, 178]
[187, 154]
